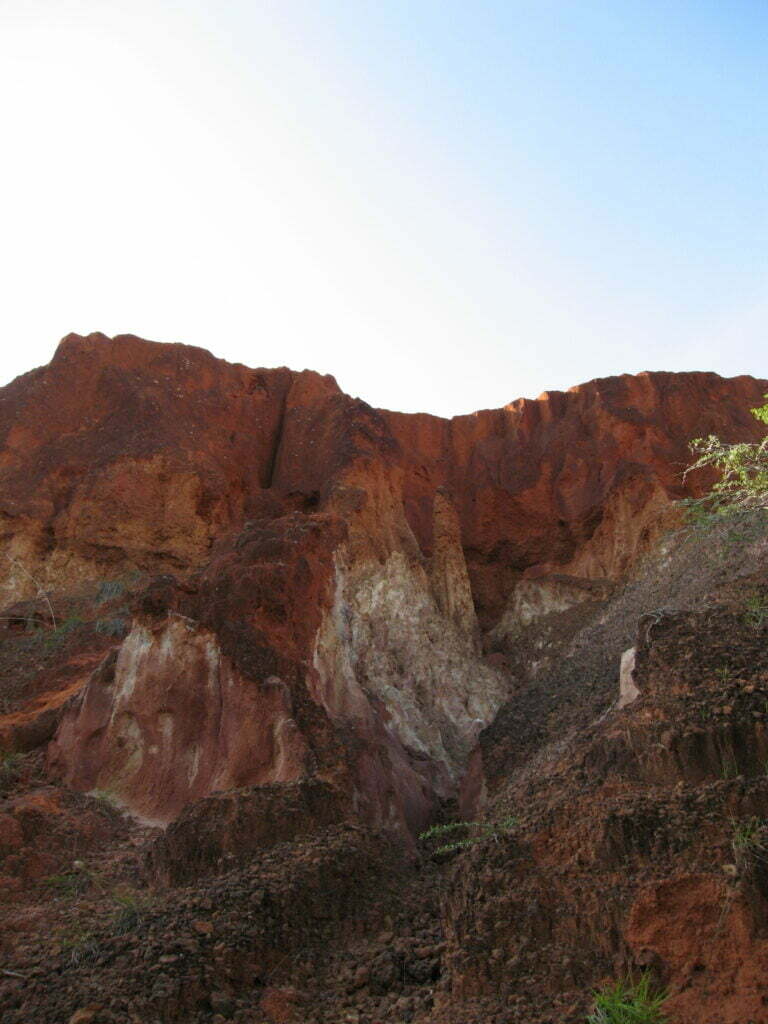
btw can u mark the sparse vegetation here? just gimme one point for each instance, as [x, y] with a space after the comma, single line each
[108, 590]
[627, 1002]
[40, 592]
[471, 833]
[749, 841]
[68, 884]
[117, 626]
[82, 946]
[756, 614]
[57, 636]
[743, 467]
[129, 914]
[729, 769]
[11, 764]
[106, 797]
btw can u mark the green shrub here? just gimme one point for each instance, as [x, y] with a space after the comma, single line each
[68, 884]
[627, 1002]
[749, 842]
[82, 948]
[474, 832]
[56, 637]
[106, 798]
[743, 468]
[756, 614]
[729, 769]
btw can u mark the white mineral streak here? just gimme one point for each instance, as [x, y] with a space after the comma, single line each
[628, 690]
[387, 645]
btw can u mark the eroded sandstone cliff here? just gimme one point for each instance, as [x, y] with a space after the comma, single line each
[330, 562]
[249, 608]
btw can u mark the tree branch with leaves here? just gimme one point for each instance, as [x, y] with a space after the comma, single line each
[743, 468]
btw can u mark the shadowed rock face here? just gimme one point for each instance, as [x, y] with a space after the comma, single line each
[626, 856]
[329, 568]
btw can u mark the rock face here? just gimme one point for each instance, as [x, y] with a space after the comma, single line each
[167, 719]
[628, 690]
[124, 452]
[287, 631]
[316, 575]
[640, 842]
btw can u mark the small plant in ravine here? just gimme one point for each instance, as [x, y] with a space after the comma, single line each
[59, 635]
[729, 769]
[11, 764]
[471, 833]
[756, 614]
[628, 1002]
[117, 626]
[68, 884]
[108, 590]
[80, 946]
[129, 914]
[749, 841]
[723, 673]
[105, 797]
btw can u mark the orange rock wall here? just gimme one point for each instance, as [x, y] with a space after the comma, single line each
[123, 452]
[333, 564]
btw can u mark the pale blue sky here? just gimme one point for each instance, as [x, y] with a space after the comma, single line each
[446, 205]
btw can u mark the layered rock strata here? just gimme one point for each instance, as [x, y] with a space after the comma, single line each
[318, 575]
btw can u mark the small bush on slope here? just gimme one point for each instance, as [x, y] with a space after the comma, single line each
[628, 1003]
[484, 831]
[743, 467]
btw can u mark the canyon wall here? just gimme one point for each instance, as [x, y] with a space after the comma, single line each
[318, 586]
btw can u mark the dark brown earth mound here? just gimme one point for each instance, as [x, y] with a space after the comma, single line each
[642, 839]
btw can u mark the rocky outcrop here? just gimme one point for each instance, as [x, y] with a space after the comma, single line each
[126, 453]
[640, 837]
[628, 690]
[701, 929]
[317, 574]
[228, 829]
[167, 719]
[286, 660]
[575, 483]
[287, 631]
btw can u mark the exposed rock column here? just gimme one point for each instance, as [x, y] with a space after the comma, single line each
[448, 569]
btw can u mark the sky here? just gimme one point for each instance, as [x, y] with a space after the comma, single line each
[445, 204]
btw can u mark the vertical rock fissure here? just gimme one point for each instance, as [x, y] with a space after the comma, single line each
[269, 474]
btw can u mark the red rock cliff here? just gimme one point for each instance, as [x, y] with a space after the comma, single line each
[331, 565]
